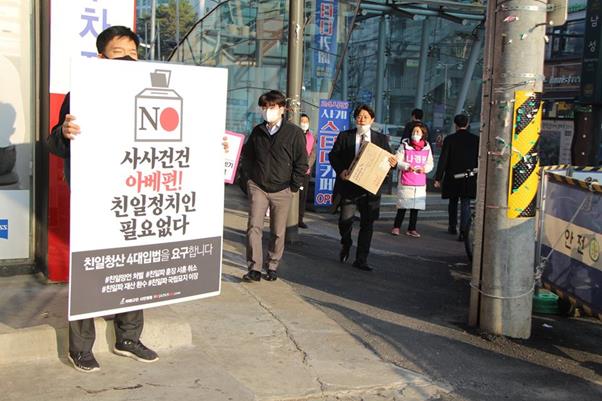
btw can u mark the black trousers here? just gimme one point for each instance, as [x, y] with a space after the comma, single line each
[401, 214]
[368, 214]
[128, 326]
[303, 197]
[452, 209]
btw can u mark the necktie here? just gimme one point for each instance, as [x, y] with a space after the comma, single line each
[363, 140]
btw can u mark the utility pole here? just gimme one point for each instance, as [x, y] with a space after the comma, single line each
[293, 90]
[503, 261]
[153, 28]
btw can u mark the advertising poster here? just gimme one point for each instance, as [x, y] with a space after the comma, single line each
[146, 181]
[555, 142]
[235, 142]
[334, 117]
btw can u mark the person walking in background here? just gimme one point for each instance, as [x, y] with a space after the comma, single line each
[415, 160]
[460, 153]
[349, 196]
[275, 160]
[310, 142]
[417, 115]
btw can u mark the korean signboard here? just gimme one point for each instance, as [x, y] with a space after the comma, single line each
[591, 85]
[325, 39]
[146, 180]
[334, 117]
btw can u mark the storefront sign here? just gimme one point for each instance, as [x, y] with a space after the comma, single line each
[334, 117]
[146, 184]
[591, 85]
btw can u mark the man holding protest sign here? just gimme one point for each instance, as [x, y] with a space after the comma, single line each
[116, 43]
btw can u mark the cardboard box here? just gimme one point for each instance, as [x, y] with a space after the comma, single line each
[370, 167]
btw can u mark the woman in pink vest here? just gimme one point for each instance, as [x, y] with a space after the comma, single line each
[415, 160]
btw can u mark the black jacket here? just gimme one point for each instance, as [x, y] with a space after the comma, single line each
[341, 156]
[275, 162]
[460, 152]
[57, 144]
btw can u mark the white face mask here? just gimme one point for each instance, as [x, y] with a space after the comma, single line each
[416, 138]
[304, 126]
[271, 115]
[364, 129]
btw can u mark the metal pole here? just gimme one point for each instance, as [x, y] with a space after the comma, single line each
[177, 22]
[381, 63]
[424, 47]
[159, 41]
[345, 78]
[502, 280]
[294, 81]
[153, 28]
[475, 51]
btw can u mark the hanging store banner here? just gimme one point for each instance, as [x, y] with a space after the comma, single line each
[334, 117]
[146, 184]
[325, 39]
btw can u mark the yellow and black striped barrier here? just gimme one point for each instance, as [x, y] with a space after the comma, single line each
[590, 186]
[524, 163]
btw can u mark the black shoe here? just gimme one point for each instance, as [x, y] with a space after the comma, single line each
[344, 254]
[135, 350]
[362, 266]
[461, 237]
[271, 275]
[302, 225]
[83, 361]
[252, 275]
[452, 230]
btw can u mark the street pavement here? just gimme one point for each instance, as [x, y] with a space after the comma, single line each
[323, 331]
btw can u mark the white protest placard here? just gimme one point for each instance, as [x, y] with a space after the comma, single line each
[146, 181]
[235, 142]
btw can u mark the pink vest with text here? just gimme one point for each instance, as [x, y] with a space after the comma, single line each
[415, 158]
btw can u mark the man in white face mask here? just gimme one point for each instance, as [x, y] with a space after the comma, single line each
[311, 154]
[349, 196]
[275, 160]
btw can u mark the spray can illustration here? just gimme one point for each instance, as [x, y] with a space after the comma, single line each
[158, 111]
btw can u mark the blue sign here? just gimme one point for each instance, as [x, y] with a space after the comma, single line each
[334, 117]
[325, 39]
[4, 229]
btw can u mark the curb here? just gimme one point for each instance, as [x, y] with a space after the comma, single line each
[163, 331]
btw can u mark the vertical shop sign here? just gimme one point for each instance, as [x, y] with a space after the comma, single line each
[334, 117]
[145, 184]
[325, 39]
[591, 84]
